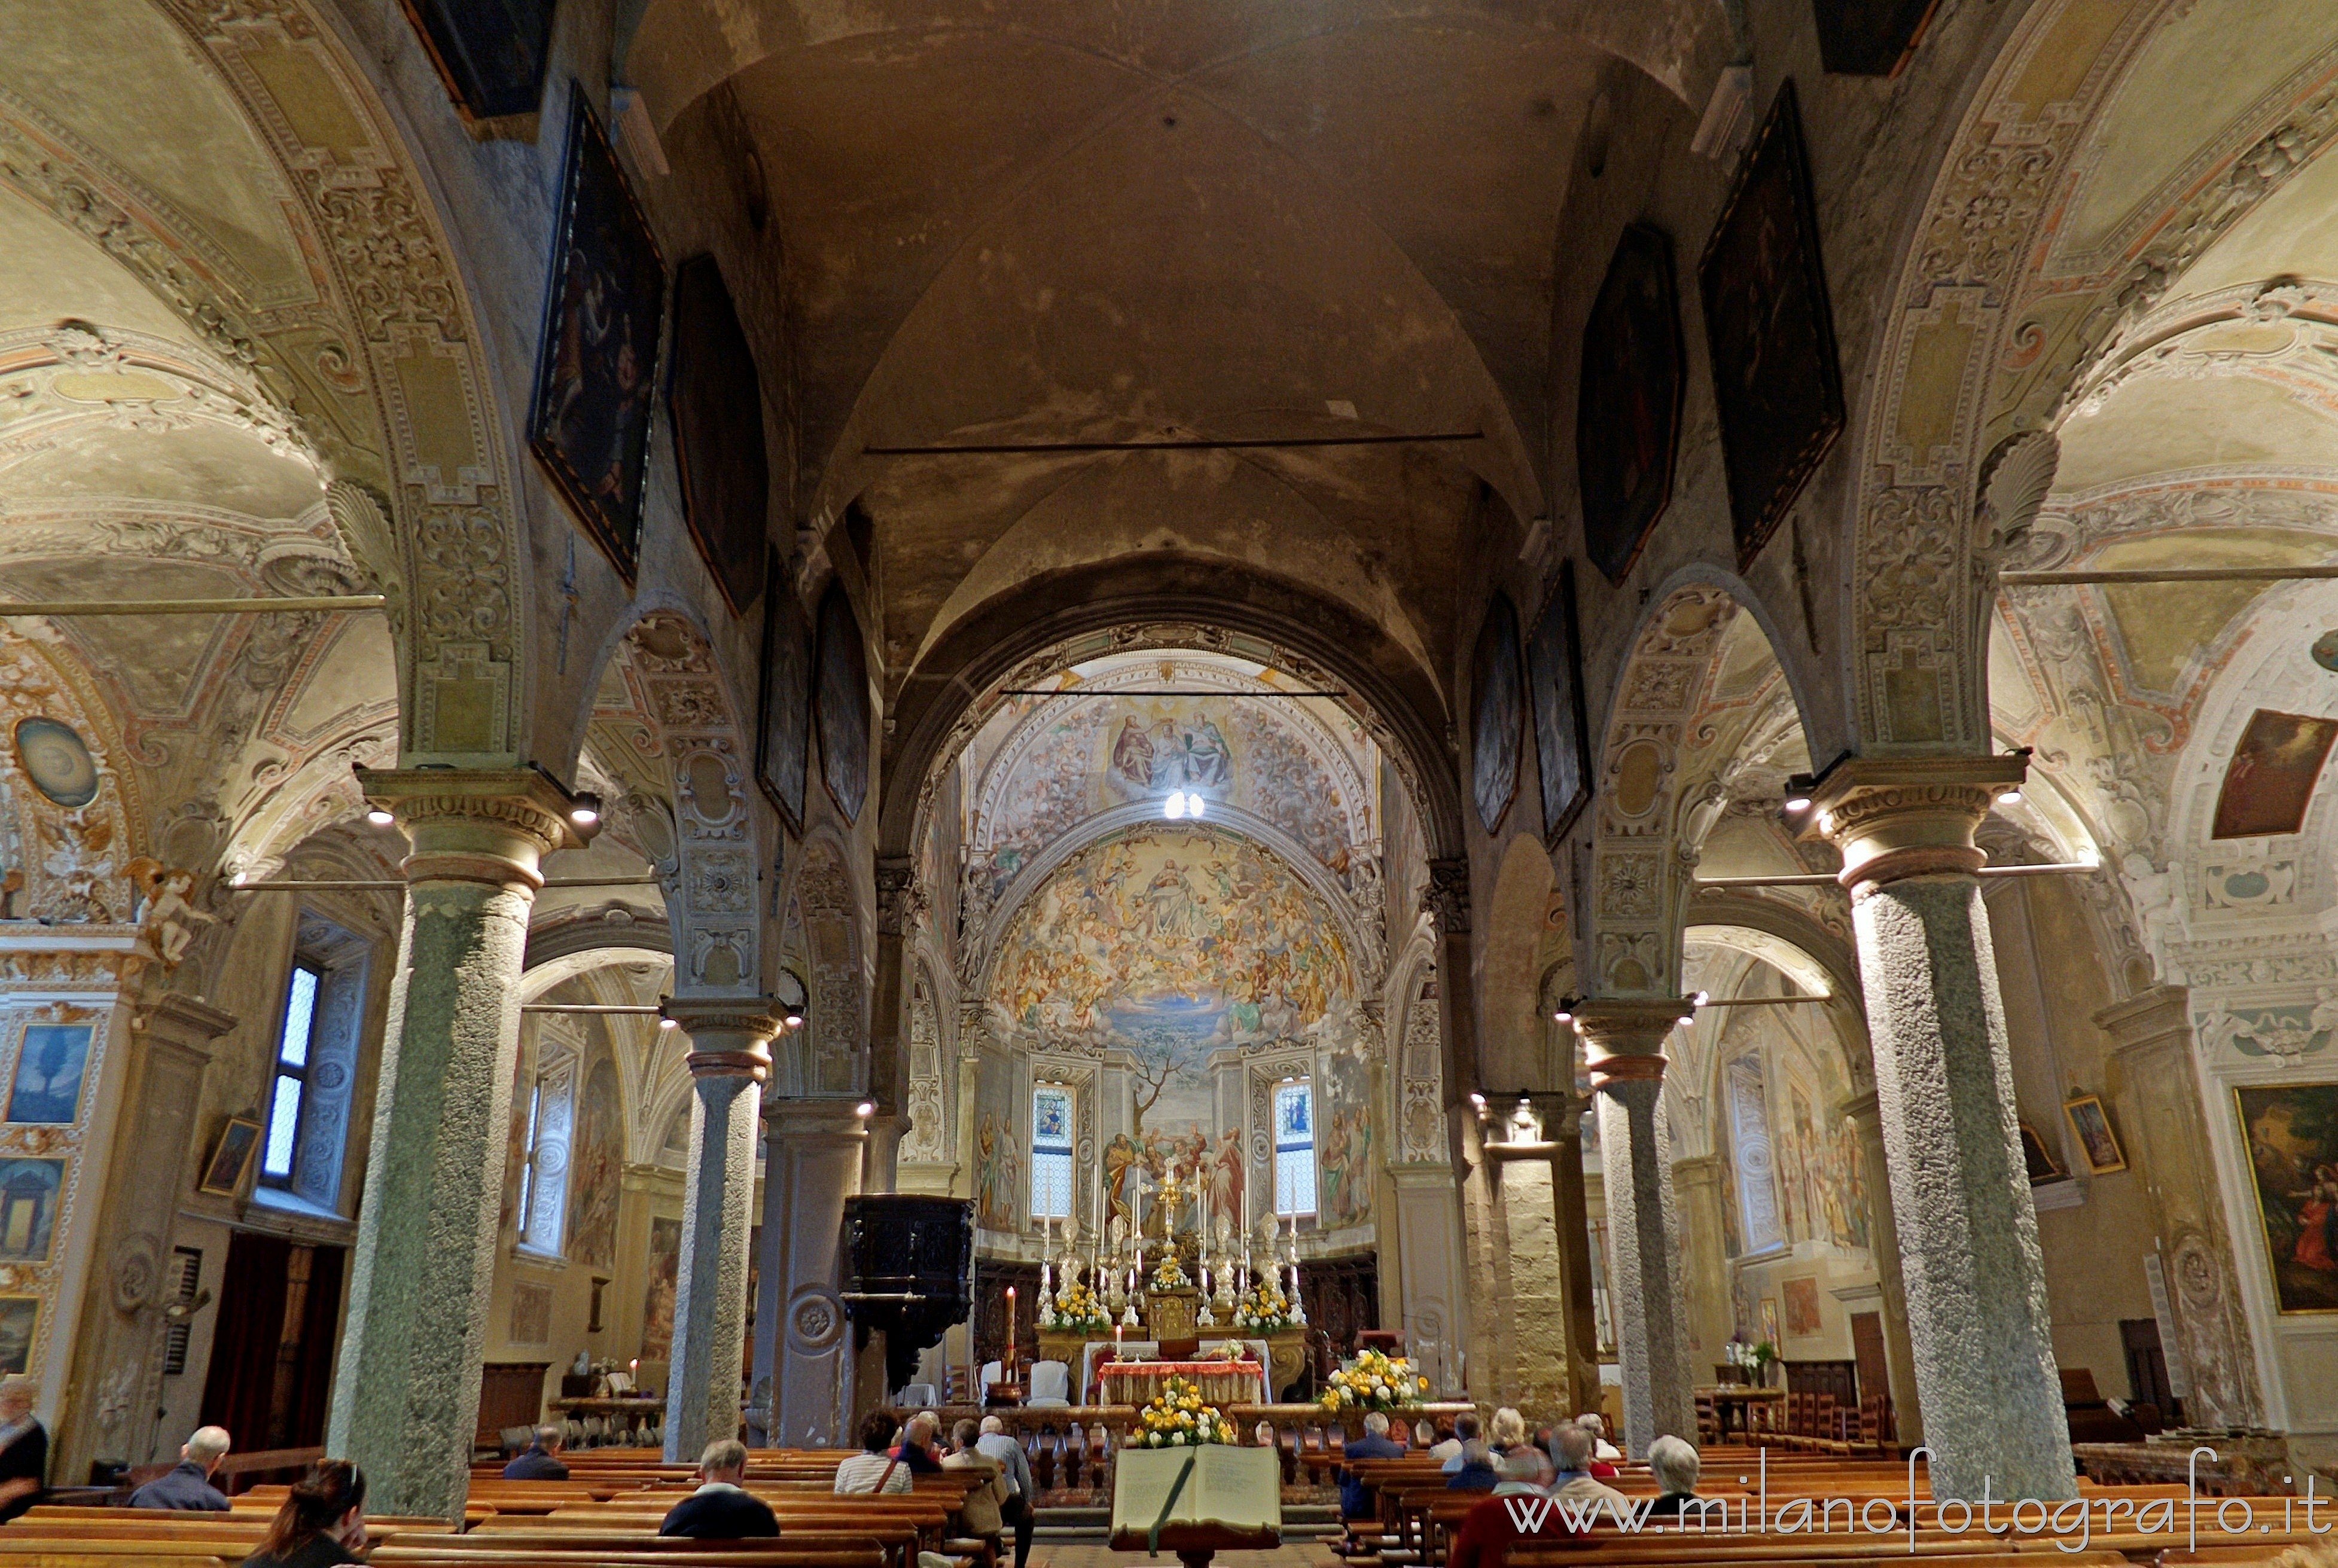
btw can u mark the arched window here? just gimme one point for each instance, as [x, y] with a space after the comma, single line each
[1051, 1152]
[287, 1099]
[1294, 1148]
[312, 1083]
[544, 1179]
[1749, 1133]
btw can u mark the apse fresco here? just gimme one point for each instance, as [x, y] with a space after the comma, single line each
[1091, 755]
[1169, 943]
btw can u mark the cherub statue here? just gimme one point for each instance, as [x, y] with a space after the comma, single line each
[164, 913]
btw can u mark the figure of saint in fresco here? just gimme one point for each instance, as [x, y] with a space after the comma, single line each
[1225, 1184]
[1120, 1157]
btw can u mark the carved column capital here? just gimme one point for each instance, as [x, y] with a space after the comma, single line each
[901, 902]
[729, 1036]
[1446, 897]
[494, 826]
[1623, 1037]
[1899, 816]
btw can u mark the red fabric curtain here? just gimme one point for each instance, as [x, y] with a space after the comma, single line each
[239, 1389]
[320, 1331]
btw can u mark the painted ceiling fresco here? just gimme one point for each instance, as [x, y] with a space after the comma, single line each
[1169, 943]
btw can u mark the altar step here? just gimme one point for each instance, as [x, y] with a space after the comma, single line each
[1093, 1526]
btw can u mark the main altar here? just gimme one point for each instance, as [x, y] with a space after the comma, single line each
[1156, 1288]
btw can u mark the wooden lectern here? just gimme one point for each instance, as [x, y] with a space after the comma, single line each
[1197, 1502]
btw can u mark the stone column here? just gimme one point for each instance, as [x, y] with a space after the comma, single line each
[1978, 1321]
[1573, 1219]
[1883, 1247]
[1446, 898]
[1704, 1260]
[812, 1161]
[147, 1173]
[2156, 1091]
[406, 1400]
[900, 907]
[730, 1061]
[1624, 1046]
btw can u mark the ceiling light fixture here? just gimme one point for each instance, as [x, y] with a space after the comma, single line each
[1174, 808]
[585, 812]
[1798, 803]
[668, 1023]
[867, 1108]
[379, 817]
[794, 1020]
[2010, 797]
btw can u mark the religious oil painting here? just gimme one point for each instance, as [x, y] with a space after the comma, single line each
[50, 1064]
[2292, 1130]
[2092, 1124]
[716, 403]
[223, 1172]
[1869, 37]
[782, 756]
[1627, 412]
[29, 1194]
[57, 760]
[1345, 1157]
[491, 54]
[1770, 1319]
[657, 1299]
[841, 702]
[1562, 731]
[596, 1161]
[1802, 1298]
[605, 314]
[2269, 783]
[2037, 1159]
[19, 1319]
[1775, 375]
[997, 1174]
[1498, 705]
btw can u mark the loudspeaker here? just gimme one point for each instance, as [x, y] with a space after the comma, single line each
[910, 1265]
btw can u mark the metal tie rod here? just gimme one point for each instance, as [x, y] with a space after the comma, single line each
[1831, 879]
[2112, 576]
[627, 1009]
[386, 887]
[192, 607]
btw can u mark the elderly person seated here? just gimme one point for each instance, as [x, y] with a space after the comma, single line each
[1375, 1443]
[1502, 1521]
[980, 1512]
[916, 1449]
[1466, 1431]
[1591, 1421]
[1019, 1510]
[873, 1469]
[1571, 1445]
[1674, 1463]
[1477, 1471]
[721, 1509]
[539, 1460]
[1509, 1430]
[187, 1485]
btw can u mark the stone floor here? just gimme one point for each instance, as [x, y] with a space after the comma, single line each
[1296, 1556]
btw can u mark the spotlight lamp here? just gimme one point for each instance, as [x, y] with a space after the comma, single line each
[586, 809]
[865, 1109]
[379, 817]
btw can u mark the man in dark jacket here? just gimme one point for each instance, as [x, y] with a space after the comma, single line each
[1476, 1472]
[1375, 1443]
[721, 1509]
[24, 1447]
[187, 1485]
[539, 1460]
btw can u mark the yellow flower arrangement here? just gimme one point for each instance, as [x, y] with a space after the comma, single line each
[1169, 1275]
[1264, 1310]
[1078, 1310]
[1175, 1418]
[1375, 1381]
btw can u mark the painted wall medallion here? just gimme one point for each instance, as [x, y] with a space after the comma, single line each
[57, 760]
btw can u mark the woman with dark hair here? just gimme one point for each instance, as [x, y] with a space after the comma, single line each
[322, 1520]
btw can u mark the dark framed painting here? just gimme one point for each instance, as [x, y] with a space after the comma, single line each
[1498, 711]
[30, 1192]
[1869, 37]
[841, 702]
[2037, 1158]
[716, 403]
[230, 1160]
[1776, 379]
[491, 54]
[2291, 1133]
[1562, 728]
[1627, 409]
[2269, 783]
[51, 1063]
[783, 751]
[604, 313]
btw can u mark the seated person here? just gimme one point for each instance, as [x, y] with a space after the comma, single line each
[1509, 1430]
[721, 1509]
[1375, 1443]
[1674, 1463]
[873, 1469]
[539, 1461]
[916, 1449]
[1478, 1470]
[1591, 1421]
[23, 1446]
[1465, 1432]
[322, 1520]
[1571, 1446]
[188, 1485]
[1490, 1529]
[980, 1512]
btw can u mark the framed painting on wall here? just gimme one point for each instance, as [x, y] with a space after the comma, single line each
[605, 314]
[841, 702]
[1803, 1317]
[783, 750]
[716, 402]
[2291, 1133]
[1776, 379]
[51, 1062]
[491, 54]
[19, 1319]
[29, 1192]
[230, 1160]
[1628, 407]
[2092, 1124]
[1562, 729]
[1498, 707]
[2269, 783]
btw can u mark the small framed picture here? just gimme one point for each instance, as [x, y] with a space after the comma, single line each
[2041, 1161]
[19, 1319]
[2092, 1124]
[230, 1160]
